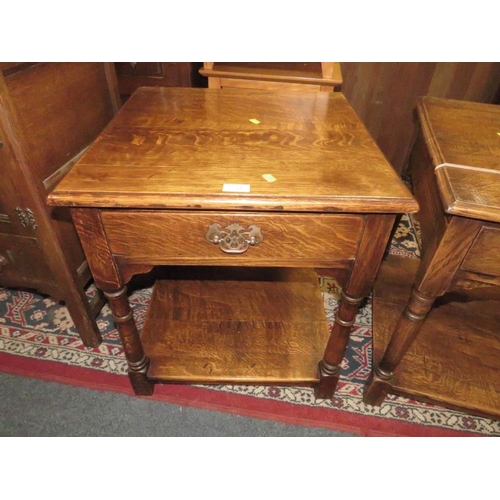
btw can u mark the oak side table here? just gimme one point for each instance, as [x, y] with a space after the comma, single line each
[448, 354]
[242, 193]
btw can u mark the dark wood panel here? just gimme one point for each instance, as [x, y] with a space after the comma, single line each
[61, 108]
[8, 200]
[68, 238]
[141, 69]
[157, 74]
[471, 81]
[384, 95]
[49, 112]
[24, 263]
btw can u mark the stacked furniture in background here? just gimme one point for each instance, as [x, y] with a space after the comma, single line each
[133, 75]
[49, 114]
[325, 76]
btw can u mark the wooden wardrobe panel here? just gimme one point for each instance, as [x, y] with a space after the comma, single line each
[49, 113]
[61, 108]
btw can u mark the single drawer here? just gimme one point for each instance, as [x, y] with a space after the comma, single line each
[484, 254]
[212, 238]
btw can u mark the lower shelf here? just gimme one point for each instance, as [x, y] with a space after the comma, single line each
[454, 360]
[268, 329]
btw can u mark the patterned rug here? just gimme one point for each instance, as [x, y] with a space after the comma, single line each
[38, 339]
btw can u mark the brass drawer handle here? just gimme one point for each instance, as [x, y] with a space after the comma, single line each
[234, 238]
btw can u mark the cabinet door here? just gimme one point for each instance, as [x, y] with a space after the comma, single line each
[23, 264]
[22, 261]
[14, 205]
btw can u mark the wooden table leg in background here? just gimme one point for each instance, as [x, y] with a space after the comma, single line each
[434, 276]
[369, 256]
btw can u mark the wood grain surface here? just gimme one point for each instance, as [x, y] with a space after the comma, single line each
[160, 237]
[484, 255]
[49, 113]
[384, 95]
[58, 116]
[176, 148]
[454, 359]
[300, 73]
[456, 169]
[431, 215]
[266, 330]
[264, 85]
[146, 192]
[465, 134]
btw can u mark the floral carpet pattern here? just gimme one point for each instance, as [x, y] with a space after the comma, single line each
[35, 327]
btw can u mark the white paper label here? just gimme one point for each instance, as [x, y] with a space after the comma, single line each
[236, 188]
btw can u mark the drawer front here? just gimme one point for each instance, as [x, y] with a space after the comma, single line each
[22, 263]
[159, 237]
[484, 255]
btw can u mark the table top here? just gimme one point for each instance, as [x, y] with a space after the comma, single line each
[463, 139]
[211, 149]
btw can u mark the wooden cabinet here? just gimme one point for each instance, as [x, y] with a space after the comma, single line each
[49, 114]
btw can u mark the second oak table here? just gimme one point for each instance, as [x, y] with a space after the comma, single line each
[441, 352]
[260, 188]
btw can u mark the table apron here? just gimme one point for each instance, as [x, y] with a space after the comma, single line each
[482, 256]
[237, 238]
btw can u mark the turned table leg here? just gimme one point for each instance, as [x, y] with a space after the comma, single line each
[406, 330]
[138, 363]
[370, 252]
[434, 276]
[329, 366]
[111, 281]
